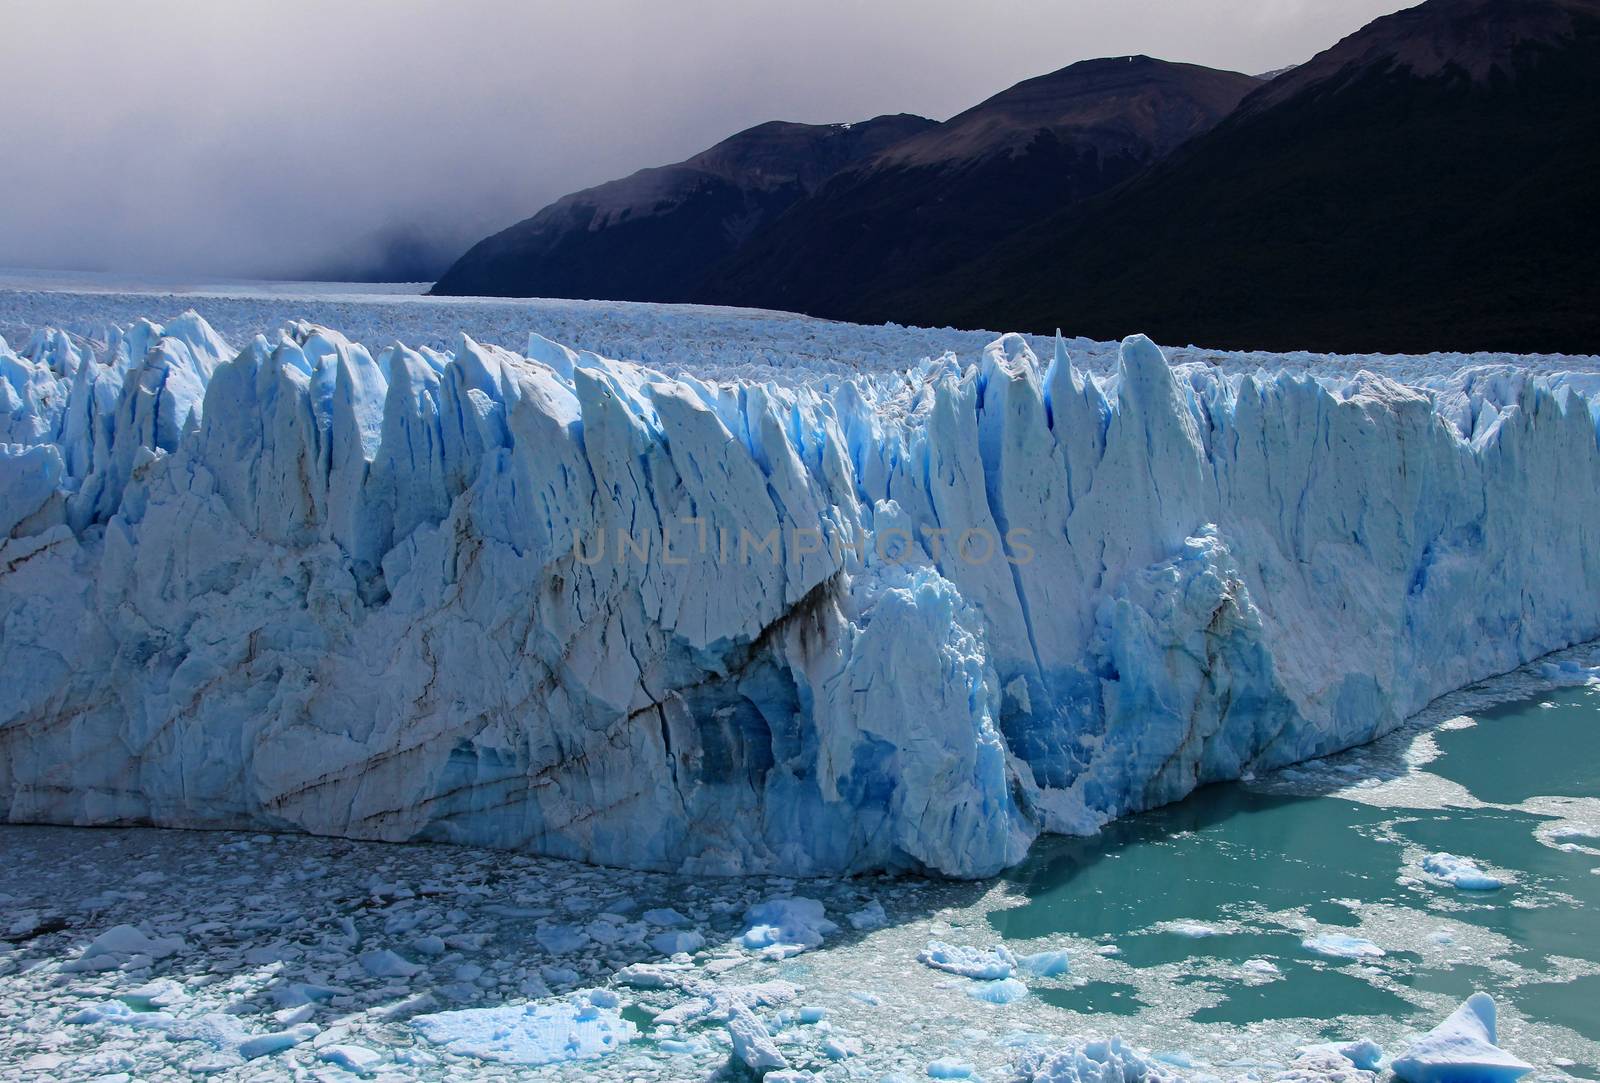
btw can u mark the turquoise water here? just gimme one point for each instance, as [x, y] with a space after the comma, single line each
[1335, 848]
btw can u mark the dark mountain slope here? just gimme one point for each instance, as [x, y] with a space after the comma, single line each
[651, 236]
[1431, 182]
[939, 199]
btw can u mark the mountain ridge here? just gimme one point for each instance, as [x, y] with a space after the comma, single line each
[941, 197]
[1365, 208]
[646, 235]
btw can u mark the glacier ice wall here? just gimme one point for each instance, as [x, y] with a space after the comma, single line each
[899, 621]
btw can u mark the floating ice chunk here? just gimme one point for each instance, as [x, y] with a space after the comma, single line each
[665, 916]
[1261, 969]
[1363, 1053]
[583, 1026]
[837, 1047]
[110, 1011]
[1003, 991]
[1462, 1049]
[655, 975]
[1195, 930]
[264, 1045]
[352, 1058]
[561, 939]
[785, 926]
[603, 932]
[1342, 946]
[682, 940]
[1461, 872]
[1570, 672]
[163, 993]
[950, 1068]
[428, 945]
[984, 964]
[295, 993]
[1092, 1060]
[407, 1007]
[383, 963]
[752, 1042]
[870, 916]
[289, 1017]
[1044, 964]
[1322, 1066]
[119, 945]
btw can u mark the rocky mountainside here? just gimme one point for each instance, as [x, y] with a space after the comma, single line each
[1430, 182]
[938, 200]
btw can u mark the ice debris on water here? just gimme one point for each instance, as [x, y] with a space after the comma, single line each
[1092, 1060]
[1001, 991]
[123, 946]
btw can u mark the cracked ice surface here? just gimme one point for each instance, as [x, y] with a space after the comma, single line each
[286, 581]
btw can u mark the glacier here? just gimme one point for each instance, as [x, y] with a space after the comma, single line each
[890, 619]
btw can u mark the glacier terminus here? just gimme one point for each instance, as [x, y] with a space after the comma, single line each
[902, 618]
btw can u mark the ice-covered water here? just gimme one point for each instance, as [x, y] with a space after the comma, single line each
[1211, 936]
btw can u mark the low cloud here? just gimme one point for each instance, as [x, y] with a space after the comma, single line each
[299, 139]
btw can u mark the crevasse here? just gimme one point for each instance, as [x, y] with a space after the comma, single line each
[523, 600]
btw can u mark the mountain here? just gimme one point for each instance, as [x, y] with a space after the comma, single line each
[940, 198]
[1430, 182]
[651, 236]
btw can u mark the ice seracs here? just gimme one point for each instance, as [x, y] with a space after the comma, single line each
[1462, 1049]
[868, 621]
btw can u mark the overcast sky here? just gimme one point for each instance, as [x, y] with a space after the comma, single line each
[292, 137]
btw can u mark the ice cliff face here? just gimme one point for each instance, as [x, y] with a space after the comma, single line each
[561, 603]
